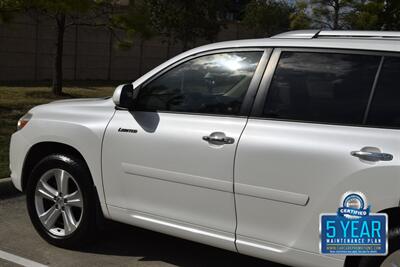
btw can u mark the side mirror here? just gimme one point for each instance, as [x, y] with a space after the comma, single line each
[124, 96]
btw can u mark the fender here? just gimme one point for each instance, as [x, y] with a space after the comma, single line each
[80, 126]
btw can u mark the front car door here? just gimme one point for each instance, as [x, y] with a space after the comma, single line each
[168, 163]
[294, 158]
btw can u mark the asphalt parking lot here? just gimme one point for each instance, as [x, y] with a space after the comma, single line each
[116, 245]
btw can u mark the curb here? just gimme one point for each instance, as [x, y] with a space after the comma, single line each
[5, 180]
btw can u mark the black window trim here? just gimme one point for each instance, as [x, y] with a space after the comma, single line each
[266, 81]
[372, 93]
[253, 86]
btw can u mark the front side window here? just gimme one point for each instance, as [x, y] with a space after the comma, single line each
[384, 110]
[213, 84]
[321, 87]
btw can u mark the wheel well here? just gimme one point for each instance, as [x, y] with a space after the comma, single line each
[393, 216]
[41, 150]
[393, 221]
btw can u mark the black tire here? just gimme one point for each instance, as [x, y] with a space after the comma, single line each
[393, 242]
[78, 169]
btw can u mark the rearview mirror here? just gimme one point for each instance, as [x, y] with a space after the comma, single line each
[124, 96]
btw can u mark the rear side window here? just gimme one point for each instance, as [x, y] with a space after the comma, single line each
[321, 87]
[385, 106]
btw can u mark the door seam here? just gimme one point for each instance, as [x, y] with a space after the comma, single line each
[233, 184]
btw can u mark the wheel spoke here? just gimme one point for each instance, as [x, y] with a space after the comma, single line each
[49, 217]
[388, 263]
[394, 263]
[46, 191]
[74, 199]
[70, 223]
[62, 181]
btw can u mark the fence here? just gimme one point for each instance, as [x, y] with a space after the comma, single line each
[27, 46]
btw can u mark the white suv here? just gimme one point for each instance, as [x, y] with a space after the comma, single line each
[240, 145]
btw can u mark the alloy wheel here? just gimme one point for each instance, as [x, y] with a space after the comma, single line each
[393, 260]
[59, 202]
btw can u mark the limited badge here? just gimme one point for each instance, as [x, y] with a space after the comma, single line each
[353, 230]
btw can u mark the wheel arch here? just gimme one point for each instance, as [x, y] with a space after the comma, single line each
[38, 151]
[393, 221]
[393, 216]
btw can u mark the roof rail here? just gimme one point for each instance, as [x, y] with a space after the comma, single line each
[363, 34]
[309, 34]
[301, 34]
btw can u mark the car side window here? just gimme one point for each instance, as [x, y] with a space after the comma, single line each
[384, 110]
[321, 87]
[213, 84]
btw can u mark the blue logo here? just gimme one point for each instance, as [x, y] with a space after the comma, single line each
[353, 230]
[353, 206]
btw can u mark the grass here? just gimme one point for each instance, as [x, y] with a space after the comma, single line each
[15, 101]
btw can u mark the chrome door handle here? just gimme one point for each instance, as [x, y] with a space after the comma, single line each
[218, 138]
[372, 156]
[225, 140]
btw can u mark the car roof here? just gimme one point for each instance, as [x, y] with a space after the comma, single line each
[355, 40]
[301, 39]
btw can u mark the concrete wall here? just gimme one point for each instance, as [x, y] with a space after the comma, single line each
[26, 49]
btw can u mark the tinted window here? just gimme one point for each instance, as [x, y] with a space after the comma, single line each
[213, 84]
[321, 87]
[385, 106]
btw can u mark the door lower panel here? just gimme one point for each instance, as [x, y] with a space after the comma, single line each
[282, 254]
[201, 234]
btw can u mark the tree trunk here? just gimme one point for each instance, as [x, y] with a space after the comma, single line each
[141, 56]
[58, 56]
[336, 15]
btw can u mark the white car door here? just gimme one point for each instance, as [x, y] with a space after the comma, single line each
[294, 158]
[168, 163]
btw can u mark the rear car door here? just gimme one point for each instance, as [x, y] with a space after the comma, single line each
[169, 161]
[294, 160]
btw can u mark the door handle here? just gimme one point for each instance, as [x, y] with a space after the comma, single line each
[372, 156]
[218, 138]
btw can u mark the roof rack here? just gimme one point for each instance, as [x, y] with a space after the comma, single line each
[302, 34]
[309, 34]
[363, 34]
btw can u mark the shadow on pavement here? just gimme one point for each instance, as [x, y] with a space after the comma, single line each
[124, 240]
[128, 242]
[7, 189]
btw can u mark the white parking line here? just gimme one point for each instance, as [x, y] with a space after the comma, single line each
[19, 260]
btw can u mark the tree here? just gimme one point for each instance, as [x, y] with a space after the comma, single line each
[390, 16]
[330, 13]
[135, 21]
[136, 17]
[7, 7]
[65, 14]
[187, 21]
[366, 15]
[267, 17]
[299, 19]
[375, 15]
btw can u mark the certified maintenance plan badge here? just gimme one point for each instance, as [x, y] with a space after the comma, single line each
[353, 230]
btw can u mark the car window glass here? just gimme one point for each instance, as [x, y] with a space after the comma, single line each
[384, 110]
[321, 87]
[214, 84]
